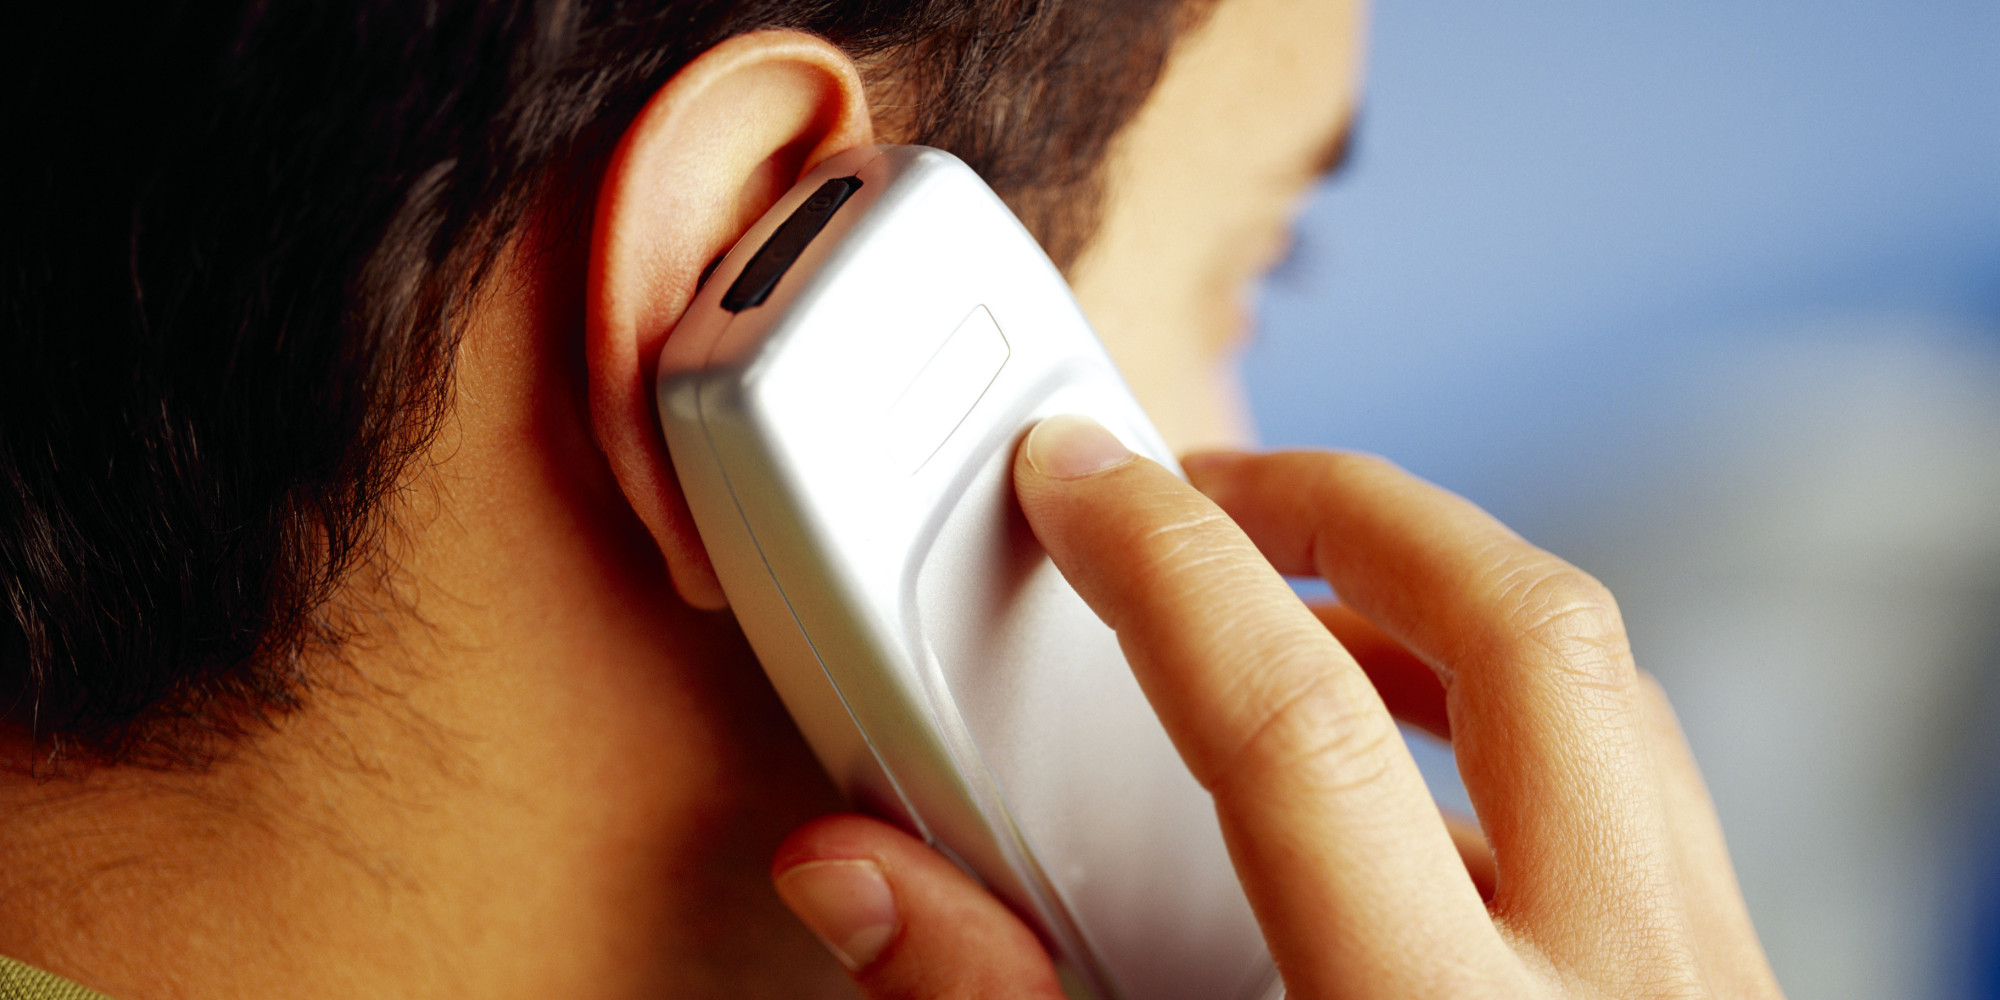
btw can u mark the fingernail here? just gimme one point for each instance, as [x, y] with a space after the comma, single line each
[1072, 447]
[847, 903]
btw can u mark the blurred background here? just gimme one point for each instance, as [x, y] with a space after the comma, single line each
[1705, 297]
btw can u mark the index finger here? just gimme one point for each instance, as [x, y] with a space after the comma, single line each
[1340, 848]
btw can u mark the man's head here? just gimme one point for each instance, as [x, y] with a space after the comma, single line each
[326, 419]
[245, 244]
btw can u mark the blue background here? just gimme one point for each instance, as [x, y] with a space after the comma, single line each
[1611, 270]
[1553, 204]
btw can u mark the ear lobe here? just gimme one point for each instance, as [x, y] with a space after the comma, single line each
[714, 149]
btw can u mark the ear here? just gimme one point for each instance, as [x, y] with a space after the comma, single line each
[714, 149]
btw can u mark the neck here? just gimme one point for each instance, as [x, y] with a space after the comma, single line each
[419, 842]
[563, 776]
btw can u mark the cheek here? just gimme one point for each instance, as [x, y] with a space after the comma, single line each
[1200, 188]
[1167, 281]
[1163, 328]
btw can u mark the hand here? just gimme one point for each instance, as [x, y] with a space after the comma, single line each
[1607, 875]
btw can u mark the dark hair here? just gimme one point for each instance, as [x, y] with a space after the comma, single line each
[237, 238]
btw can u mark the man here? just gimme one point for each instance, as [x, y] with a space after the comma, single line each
[361, 642]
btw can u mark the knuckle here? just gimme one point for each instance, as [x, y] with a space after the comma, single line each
[1561, 616]
[1324, 730]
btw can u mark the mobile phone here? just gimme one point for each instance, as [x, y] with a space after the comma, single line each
[842, 402]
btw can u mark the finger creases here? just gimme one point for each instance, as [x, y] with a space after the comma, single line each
[1543, 701]
[1344, 855]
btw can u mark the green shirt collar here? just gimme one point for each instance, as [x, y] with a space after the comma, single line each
[25, 982]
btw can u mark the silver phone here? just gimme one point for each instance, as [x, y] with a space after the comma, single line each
[842, 402]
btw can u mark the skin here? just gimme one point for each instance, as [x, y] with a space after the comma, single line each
[1203, 187]
[552, 760]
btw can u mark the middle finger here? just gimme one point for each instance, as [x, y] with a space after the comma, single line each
[1541, 691]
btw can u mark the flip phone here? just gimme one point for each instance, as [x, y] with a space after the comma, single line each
[842, 402]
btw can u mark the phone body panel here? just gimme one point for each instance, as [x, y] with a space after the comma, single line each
[845, 443]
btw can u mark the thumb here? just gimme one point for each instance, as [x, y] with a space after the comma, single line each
[908, 924]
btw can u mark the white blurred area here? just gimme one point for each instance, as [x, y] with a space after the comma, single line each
[1812, 569]
[1705, 297]
[1815, 580]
